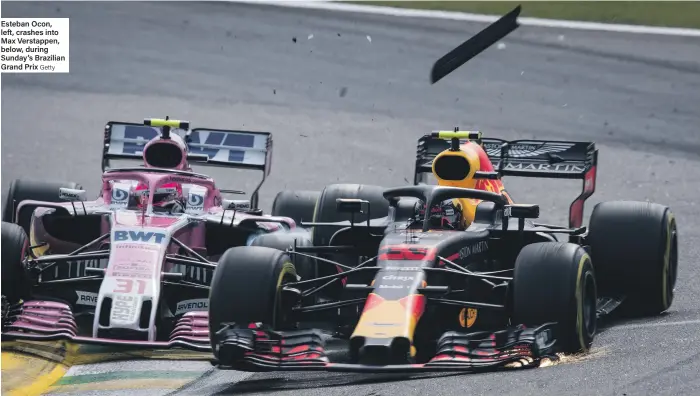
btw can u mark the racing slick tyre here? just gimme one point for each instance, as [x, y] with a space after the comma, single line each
[634, 246]
[298, 205]
[15, 284]
[326, 212]
[305, 266]
[246, 288]
[555, 282]
[21, 190]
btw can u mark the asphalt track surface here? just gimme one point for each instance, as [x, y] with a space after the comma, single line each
[344, 108]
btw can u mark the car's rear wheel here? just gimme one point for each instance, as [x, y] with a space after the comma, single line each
[247, 288]
[298, 205]
[634, 246]
[304, 265]
[326, 212]
[15, 283]
[555, 282]
[21, 190]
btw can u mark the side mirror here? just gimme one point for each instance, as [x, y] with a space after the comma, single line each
[70, 194]
[522, 211]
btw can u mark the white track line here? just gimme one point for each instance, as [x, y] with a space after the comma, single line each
[463, 16]
[655, 324]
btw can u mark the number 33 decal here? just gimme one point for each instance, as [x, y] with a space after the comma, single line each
[127, 286]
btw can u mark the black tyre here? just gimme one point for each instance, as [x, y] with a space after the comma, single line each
[246, 288]
[326, 212]
[305, 266]
[634, 246]
[21, 190]
[555, 282]
[298, 205]
[15, 284]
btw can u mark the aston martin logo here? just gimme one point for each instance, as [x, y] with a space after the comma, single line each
[524, 150]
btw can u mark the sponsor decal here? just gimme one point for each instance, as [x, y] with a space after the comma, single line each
[525, 150]
[557, 168]
[86, 298]
[139, 236]
[479, 247]
[398, 278]
[200, 304]
[391, 286]
[508, 212]
[69, 194]
[124, 308]
[239, 204]
[221, 144]
[128, 286]
[195, 200]
[467, 317]
[420, 234]
[120, 195]
[406, 269]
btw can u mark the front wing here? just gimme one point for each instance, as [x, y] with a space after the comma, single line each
[259, 350]
[50, 320]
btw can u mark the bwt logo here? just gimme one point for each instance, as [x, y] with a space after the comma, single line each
[222, 139]
[119, 194]
[138, 236]
[195, 200]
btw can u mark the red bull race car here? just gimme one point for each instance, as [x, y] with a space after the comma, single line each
[457, 276]
[452, 276]
[132, 266]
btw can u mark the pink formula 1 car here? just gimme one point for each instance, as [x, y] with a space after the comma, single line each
[133, 266]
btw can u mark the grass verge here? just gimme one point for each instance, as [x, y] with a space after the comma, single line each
[654, 13]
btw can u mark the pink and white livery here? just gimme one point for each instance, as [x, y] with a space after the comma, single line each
[133, 266]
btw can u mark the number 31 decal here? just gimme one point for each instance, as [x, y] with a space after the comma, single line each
[127, 286]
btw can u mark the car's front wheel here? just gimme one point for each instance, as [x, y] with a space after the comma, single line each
[555, 282]
[247, 288]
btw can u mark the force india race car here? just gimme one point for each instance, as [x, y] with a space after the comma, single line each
[456, 277]
[134, 265]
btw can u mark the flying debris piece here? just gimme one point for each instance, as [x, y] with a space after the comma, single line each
[310, 37]
[475, 45]
[501, 46]
[369, 39]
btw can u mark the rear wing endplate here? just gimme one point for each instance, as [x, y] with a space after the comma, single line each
[526, 158]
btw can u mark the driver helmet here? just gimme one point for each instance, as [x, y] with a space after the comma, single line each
[448, 215]
[166, 195]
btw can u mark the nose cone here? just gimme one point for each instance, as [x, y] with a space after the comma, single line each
[384, 334]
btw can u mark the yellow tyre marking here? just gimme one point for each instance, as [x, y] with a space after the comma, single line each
[579, 301]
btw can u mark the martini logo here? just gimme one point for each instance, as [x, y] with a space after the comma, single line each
[139, 236]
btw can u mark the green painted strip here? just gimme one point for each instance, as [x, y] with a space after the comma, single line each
[126, 375]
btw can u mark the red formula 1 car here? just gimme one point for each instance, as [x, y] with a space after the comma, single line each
[457, 277]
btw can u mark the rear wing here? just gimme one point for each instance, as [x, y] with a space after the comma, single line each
[526, 158]
[207, 147]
